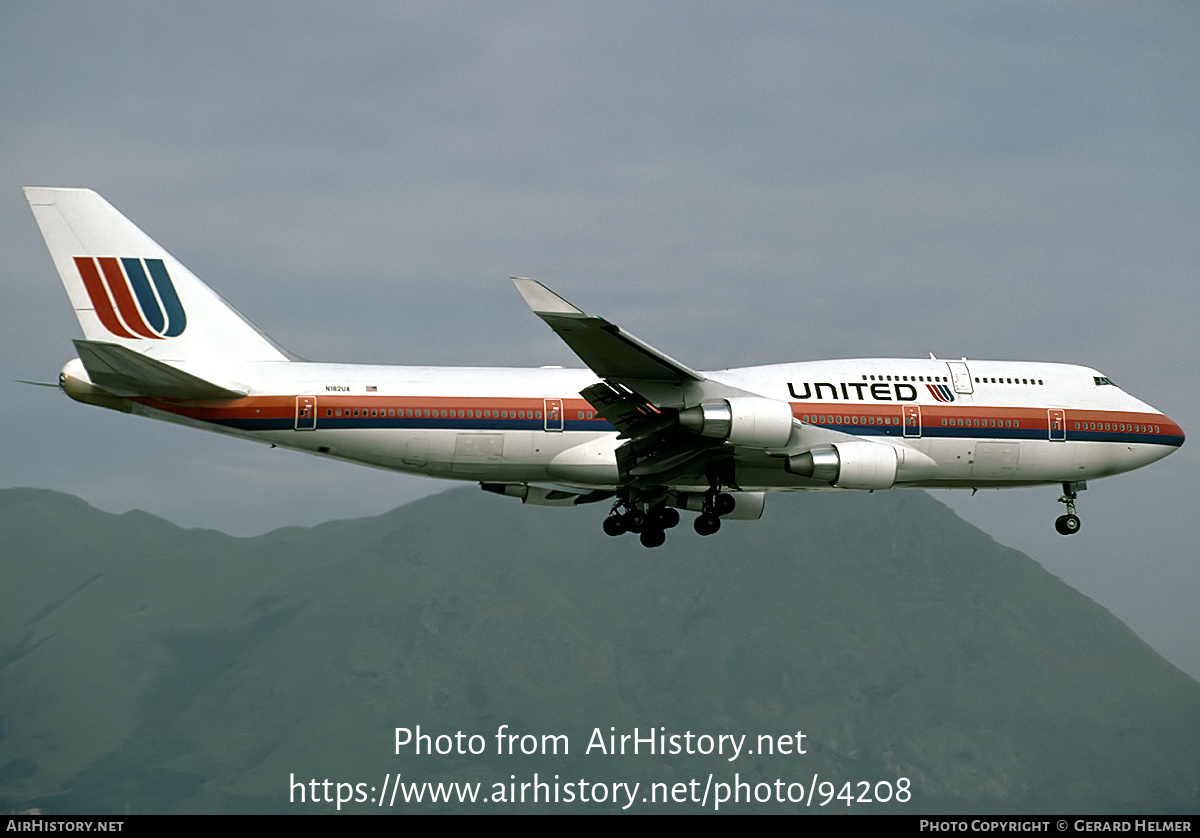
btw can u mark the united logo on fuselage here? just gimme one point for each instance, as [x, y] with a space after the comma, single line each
[134, 298]
[879, 391]
[941, 392]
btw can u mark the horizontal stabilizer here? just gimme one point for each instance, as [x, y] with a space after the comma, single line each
[127, 373]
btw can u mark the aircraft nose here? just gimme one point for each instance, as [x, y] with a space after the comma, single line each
[1173, 432]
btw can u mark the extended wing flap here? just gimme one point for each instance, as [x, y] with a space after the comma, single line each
[127, 373]
[625, 410]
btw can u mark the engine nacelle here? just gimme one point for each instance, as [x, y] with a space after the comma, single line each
[753, 421]
[855, 464]
[748, 506]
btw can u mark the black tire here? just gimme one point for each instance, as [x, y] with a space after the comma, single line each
[724, 503]
[635, 520]
[707, 524]
[614, 525]
[664, 517]
[1067, 524]
[652, 537]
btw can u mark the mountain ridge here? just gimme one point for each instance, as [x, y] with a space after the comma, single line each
[161, 669]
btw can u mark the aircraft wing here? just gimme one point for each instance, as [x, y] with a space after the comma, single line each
[640, 395]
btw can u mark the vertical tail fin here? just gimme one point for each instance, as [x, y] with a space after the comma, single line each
[127, 290]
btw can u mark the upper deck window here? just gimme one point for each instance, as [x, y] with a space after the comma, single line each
[1102, 380]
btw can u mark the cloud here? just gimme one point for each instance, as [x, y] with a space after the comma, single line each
[734, 184]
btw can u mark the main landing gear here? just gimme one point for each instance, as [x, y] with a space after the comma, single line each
[716, 504]
[1069, 524]
[651, 519]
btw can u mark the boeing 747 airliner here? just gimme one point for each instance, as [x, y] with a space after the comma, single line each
[636, 428]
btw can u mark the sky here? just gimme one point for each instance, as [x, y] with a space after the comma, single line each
[735, 184]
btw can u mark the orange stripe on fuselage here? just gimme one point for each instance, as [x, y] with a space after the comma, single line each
[842, 414]
[1033, 418]
[279, 407]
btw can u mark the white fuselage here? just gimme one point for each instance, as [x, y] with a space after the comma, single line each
[964, 423]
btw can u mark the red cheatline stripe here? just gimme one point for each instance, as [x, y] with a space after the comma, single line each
[124, 298]
[101, 304]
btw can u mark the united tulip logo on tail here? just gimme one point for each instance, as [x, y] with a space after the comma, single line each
[134, 298]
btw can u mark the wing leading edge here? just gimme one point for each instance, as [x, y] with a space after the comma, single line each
[610, 352]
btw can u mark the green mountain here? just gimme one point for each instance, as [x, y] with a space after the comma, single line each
[147, 668]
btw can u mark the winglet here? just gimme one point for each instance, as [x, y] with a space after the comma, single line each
[541, 299]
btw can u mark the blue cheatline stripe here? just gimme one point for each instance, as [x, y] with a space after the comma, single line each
[145, 294]
[176, 319]
[331, 423]
[1002, 434]
[429, 423]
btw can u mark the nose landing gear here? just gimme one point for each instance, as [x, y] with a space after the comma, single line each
[1069, 524]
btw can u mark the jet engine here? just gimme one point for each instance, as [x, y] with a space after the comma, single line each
[855, 464]
[753, 421]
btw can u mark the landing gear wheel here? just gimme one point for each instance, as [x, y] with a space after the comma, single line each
[1067, 524]
[724, 504]
[634, 520]
[707, 524]
[664, 517]
[614, 525]
[652, 537]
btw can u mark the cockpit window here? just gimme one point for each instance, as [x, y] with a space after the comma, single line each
[1101, 380]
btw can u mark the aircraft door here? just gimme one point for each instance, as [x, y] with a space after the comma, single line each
[1058, 424]
[306, 413]
[553, 413]
[912, 420]
[961, 376]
